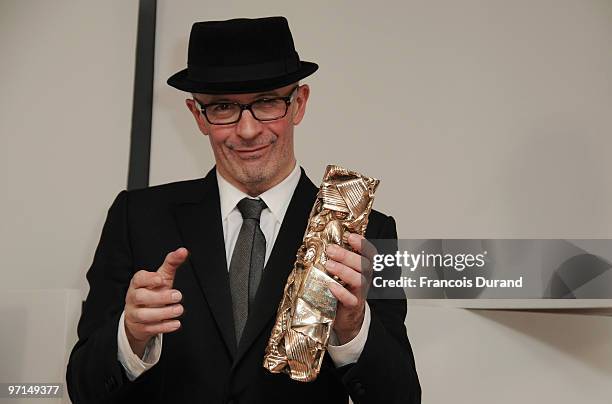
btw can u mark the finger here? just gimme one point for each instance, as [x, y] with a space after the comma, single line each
[146, 279]
[171, 263]
[349, 276]
[153, 298]
[153, 314]
[160, 327]
[346, 257]
[345, 297]
[362, 245]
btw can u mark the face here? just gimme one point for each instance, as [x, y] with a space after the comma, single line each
[253, 155]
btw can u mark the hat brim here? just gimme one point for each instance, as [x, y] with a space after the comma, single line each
[182, 82]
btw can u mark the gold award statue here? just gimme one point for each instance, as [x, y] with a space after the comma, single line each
[307, 310]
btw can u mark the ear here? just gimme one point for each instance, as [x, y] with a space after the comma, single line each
[299, 109]
[199, 118]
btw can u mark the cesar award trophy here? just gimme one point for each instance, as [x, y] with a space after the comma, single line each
[307, 310]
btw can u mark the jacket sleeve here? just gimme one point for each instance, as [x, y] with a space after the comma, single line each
[385, 371]
[94, 373]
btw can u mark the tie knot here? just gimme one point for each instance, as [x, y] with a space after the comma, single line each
[251, 208]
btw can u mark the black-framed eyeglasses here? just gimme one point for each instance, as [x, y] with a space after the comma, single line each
[263, 109]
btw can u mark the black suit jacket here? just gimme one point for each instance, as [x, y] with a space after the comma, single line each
[200, 362]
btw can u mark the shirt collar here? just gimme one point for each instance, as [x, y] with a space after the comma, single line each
[276, 198]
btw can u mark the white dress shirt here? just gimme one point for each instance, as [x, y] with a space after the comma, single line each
[277, 200]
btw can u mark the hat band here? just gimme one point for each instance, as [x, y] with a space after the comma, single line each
[223, 74]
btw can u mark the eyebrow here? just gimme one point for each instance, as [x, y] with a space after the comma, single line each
[268, 94]
[221, 99]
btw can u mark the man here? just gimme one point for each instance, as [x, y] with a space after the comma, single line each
[175, 333]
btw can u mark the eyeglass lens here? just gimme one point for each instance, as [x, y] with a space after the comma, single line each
[263, 110]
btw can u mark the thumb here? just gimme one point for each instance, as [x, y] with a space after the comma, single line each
[173, 260]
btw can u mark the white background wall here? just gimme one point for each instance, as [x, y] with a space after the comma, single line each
[482, 118]
[66, 73]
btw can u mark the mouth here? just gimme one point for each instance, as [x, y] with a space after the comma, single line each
[252, 152]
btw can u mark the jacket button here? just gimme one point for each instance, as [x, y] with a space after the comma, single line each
[358, 388]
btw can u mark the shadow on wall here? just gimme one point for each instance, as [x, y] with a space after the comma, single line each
[581, 337]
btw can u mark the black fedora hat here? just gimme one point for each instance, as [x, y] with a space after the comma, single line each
[241, 55]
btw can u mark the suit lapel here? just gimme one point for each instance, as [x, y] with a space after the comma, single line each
[201, 229]
[280, 263]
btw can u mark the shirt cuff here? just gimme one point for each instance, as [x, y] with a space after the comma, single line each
[349, 353]
[133, 365]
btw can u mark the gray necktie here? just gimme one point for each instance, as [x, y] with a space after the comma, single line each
[247, 262]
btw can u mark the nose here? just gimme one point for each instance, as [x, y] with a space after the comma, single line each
[248, 127]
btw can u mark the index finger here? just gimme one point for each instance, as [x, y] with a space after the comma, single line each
[344, 256]
[362, 245]
[172, 261]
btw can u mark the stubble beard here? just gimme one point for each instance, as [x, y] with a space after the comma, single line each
[257, 178]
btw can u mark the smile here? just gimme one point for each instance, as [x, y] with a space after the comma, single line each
[252, 152]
